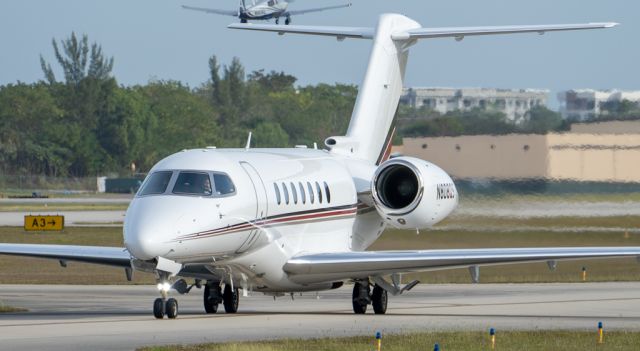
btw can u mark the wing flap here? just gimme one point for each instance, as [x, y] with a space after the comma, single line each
[111, 256]
[362, 264]
[460, 32]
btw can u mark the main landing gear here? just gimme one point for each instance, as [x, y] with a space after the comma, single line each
[362, 297]
[214, 295]
[287, 20]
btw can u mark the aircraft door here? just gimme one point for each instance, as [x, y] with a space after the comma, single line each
[262, 203]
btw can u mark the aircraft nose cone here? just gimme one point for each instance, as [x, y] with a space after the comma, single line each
[147, 229]
[142, 244]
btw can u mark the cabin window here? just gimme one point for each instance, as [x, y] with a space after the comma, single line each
[286, 193]
[319, 193]
[294, 193]
[277, 190]
[157, 183]
[311, 197]
[193, 183]
[224, 185]
[327, 192]
[303, 197]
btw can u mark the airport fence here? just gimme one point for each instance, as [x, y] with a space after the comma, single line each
[20, 184]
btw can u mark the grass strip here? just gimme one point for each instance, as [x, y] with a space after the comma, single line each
[461, 341]
[9, 309]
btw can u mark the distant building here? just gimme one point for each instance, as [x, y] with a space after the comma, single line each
[598, 152]
[514, 103]
[582, 104]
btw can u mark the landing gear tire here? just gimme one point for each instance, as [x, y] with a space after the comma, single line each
[360, 297]
[230, 299]
[243, 21]
[172, 308]
[158, 308]
[287, 21]
[379, 300]
[211, 298]
[277, 21]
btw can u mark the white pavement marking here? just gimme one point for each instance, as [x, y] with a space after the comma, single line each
[119, 317]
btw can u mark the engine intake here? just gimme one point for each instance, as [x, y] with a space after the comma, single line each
[398, 186]
[407, 193]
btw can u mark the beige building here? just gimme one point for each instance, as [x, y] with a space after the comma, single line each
[583, 156]
[609, 127]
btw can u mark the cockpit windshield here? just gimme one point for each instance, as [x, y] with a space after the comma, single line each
[157, 183]
[193, 183]
[224, 185]
[199, 183]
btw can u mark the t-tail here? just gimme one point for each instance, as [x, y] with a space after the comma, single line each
[370, 127]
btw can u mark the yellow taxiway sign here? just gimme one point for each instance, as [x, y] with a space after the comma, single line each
[43, 222]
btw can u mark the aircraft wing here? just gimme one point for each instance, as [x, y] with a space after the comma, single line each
[418, 33]
[111, 256]
[207, 10]
[317, 9]
[349, 265]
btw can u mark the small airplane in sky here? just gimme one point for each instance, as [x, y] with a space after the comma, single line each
[282, 221]
[264, 10]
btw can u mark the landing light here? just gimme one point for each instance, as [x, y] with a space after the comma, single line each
[164, 286]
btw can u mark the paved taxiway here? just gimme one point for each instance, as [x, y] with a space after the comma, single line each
[119, 317]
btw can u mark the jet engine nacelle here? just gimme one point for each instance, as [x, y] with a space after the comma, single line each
[410, 193]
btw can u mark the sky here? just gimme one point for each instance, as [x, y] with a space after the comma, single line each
[157, 39]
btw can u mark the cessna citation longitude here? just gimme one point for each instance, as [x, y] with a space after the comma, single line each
[280, 221]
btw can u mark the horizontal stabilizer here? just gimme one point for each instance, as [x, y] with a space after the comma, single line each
[420, 33]
[460, 32]
[339, 32]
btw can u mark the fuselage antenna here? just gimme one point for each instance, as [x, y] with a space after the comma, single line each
[248, 142]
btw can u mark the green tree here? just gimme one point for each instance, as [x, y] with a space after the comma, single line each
[74, 57]
[273, 81]
[270, 134]
[541, 120]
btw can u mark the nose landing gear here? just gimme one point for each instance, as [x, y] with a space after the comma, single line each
[163, 305]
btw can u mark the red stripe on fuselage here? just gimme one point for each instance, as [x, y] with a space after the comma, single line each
[268, 222]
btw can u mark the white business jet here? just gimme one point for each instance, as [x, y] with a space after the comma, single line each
[281, 221]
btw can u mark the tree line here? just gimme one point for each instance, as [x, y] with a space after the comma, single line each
[86, 124]
[418, 122]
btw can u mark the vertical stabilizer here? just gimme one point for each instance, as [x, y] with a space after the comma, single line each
[379, 93]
